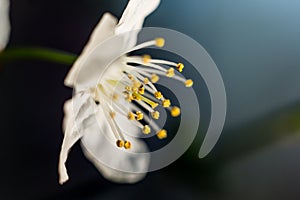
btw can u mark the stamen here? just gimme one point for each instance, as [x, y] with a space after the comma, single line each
[147, 119]
[112, 114]
[158, 95]
[170, 72]
[146, 59]
[146, 129]
[131, 116]
[112, 124]
[166, 103]
[189, 83]
[162, 134]
[115, 97]
[164, 62]
[180, 67]
[141, 77]
[135, 89]
[120, 143]
[128, 88]
[136, 84]
[127, 145]
[146, 81]
[140, 60]
[150, 95]
[160, 42]
[139, 115]
[143, 45]
[141, 90]
[154, 78]
[175, 111]
[130, 76]
[155, 115]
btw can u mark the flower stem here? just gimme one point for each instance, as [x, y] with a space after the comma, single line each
[37, 53]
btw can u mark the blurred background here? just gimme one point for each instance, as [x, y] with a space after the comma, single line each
[256, 47]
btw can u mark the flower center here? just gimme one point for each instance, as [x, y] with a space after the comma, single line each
[137, 88]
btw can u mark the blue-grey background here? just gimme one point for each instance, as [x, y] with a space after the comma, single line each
[255, 44]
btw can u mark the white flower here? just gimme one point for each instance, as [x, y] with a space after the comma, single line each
[4, 23]
[101, 111]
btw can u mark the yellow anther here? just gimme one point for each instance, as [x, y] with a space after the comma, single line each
[141, 90]
[180, 67]
[115, 97]
[128, 88]
[175, 111]
[112, 114]
[135, 89]
[146, 81]
[166, 103]
[136, 84]
[120, 143]
[158, 95]
[154, 78]
[162, 134]
[131, 116]
[130, 76]
[127, 145]
[155, 114]
[189, 83]
[139, 115]
[170, 72]
[146, 59]
[146, 129]
[160, 42]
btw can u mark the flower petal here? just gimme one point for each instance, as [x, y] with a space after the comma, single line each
[4, 23]
[103, 31]
[70, 138]
[133, 18]
[99, 147]
[77, 111]
[135, 13]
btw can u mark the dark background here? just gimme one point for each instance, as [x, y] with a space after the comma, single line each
[254, 43]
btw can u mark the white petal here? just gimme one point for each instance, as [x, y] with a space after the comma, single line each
[135, 13]
[4, 23]
[103, 31]
[99, 147]
[71, 136]
[77, 112]
[133, 18]
[68, 114]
